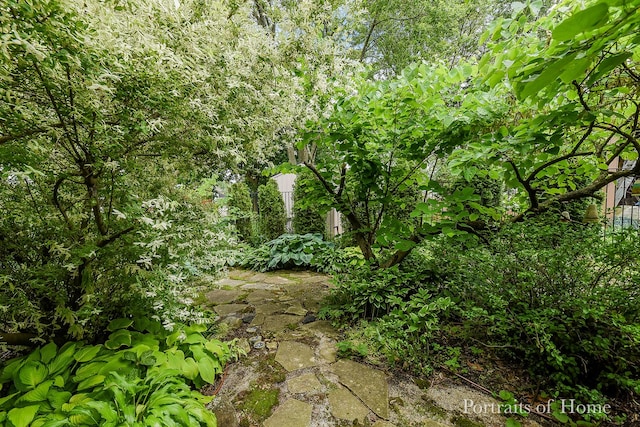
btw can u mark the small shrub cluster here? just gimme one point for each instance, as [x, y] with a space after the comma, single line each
[287, 251]
[143, 375]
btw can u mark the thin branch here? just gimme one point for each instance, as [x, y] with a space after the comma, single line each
[56, 108]
[72, 105]
[581, 96]
[367, 40]
[113, 237]
[626, 135]
[556, 160]
[533, 198]
[56, 202]
[323, 181]
[9, 138]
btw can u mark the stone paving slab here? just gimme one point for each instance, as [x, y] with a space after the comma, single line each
[322, 327]
[295, 355]
[370, 385]
[305, 383]
[227, 309]
[279, 322]
[270, 308]
[259, 286]
[345, 406]
[230, 282]
[223, 296]
[292, 413]
[260, 296]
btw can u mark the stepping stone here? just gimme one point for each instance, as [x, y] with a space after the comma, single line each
[229, 282]
[295, 355]
[297, 309]
[270, 308]
[260, 296]
[258, 320]
[276, 280]
[227, 309]
[306, 383]
[223, 296]
[292, 413]
[327, 350]
[321, 326]
[257, 277]
[233, 322]
[345, 406]
[279, 322]
[370, 385]
[260, 286]
[225, 413]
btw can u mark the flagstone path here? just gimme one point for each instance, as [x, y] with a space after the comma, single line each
[291, 375]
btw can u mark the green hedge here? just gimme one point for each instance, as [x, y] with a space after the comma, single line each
[272, 212]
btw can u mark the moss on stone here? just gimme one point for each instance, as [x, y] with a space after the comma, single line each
[465, 422]
[259, 403]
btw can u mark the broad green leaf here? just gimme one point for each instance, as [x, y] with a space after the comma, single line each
[119, 338]
[190, 368]
[216, 347]
[63, 360]
[48, 352]
[4, 400]
[561, 416]
[579, 22]
[22, 417]
[609, 64]
[88, 370]
[208, 369]
[10, 369]
[116, 324]
[87, 353]
[58, 398]
[30, 375]
[576, 69]
[38, 394]
[548, 75]
[512, 423]
[405, 245]
[90, 382]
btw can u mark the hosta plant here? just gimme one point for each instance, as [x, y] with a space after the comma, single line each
[141, 376]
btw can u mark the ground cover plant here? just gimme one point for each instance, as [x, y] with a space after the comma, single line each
[142, 375]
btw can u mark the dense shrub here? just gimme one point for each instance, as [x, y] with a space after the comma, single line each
[272, 211]
[556, 298]
[241, 209]
[307, 217]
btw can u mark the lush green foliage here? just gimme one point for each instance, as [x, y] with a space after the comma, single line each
[575, 108]
[287, 251]
[241, 209]
[307, 217]
[141, 376]
[385, 140]
[554, 298]
[111, 113]
[563, 303]
[272, 213]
